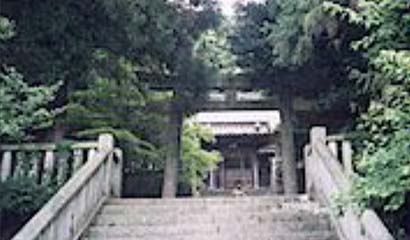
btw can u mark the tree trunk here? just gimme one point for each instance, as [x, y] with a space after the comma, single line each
[173, 157]
[1, 225]
[288, 142]
[354, 4]
[58, 132]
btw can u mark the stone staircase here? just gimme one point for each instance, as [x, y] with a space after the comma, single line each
[242, 218]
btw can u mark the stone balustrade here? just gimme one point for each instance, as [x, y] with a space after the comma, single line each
[341, 149]
[44, 161]
[328, 166]
[70, 211]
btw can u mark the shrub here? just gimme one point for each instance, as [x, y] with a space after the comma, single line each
[23, 196]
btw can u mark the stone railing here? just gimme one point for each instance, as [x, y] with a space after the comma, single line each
[328, 168]
[43, 161]
[70, 211]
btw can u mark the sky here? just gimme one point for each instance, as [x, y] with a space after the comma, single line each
[228, 6]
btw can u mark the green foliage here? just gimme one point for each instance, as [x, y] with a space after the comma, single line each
[384, 159]
[297, 46]
[6, 29]
[387, 174]
[22, 107]
[22, 195]
[383, 164]
[196, 161]
[107, 54]
[249, 44]
[293, 32]
[214, 49]
[58, 40]
[384, 23]
[290, 44]
[114, 102]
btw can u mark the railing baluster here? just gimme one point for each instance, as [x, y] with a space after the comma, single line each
[6, 165]
[78, 159]
[333, 148]
[91, 153]
[19, 161]
[62, 168]
[34, 170]
[48, 167]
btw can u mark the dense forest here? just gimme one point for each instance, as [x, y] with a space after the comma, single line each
[74, 69]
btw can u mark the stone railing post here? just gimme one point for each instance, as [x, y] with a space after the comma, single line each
[306, 157]
[105, 145]
[317, 137]
[347, 153]
[117, 168]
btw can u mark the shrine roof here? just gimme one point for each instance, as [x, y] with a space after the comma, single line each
[226, 123]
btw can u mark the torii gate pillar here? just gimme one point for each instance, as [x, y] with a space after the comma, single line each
[290, 182]
[174, 152]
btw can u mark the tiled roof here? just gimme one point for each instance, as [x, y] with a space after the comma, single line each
[239, 122]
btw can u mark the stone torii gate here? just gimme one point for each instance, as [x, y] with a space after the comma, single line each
[237, 98]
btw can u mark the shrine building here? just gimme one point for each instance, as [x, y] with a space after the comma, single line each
[249, 143]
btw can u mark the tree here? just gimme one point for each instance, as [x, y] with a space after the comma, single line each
[189, 78]
[22, 108]
[58, 41]
[383, 166]
[6, 29]
[115, 101]
[196, 161]
[214, 49]
[293, 48]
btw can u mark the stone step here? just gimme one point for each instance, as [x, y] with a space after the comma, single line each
[214, 207]
[241, 218]
[209, 200]
[216, 203]
[251, 235]
[273, 227]
[128, 218]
